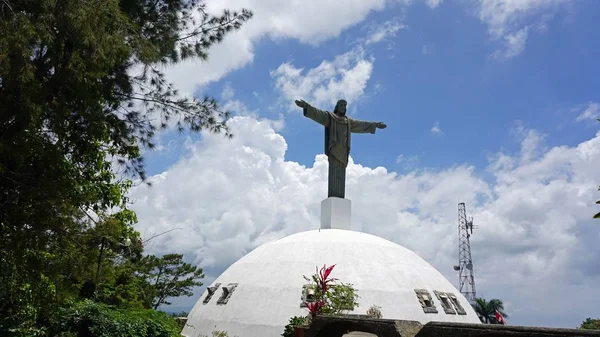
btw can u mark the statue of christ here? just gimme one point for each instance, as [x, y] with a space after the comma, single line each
[338, 128]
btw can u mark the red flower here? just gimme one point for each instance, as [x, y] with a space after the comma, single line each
[315, 307]
[326, 271]
[323, 277]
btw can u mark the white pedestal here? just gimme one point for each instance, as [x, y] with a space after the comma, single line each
[335, 213]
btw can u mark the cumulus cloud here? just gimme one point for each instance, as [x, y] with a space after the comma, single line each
[535, 234]
[311, 22]
[346, 76]
[435, 129]
[508, 21]
[591, 112]
[233, 105]
[532, 141]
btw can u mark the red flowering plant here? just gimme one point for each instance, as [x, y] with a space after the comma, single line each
[328, 296]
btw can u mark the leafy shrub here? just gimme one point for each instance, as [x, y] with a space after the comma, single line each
[217, 333]
[590, 324]
[330, 297]
[99, 320]
[374, 311]
[294, 321]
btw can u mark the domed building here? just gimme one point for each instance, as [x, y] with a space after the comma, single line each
[258, 294]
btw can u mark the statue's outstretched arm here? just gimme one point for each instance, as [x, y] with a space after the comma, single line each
[319, 116]
[358, 126]
[302, 103]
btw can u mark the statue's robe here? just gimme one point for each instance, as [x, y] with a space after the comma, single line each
[338, 131]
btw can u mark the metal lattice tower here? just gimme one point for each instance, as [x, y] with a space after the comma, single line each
[465, 262]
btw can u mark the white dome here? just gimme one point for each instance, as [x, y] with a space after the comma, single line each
[269, 283]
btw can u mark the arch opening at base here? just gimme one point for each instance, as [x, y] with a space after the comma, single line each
[350, 329]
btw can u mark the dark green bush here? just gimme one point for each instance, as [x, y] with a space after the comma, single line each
[89, 319]
[294, 321]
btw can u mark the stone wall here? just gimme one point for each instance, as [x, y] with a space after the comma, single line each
[329, 326]
[435, 329]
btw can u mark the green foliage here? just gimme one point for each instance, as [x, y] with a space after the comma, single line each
[63, 270]
[590, 324]
[374, 311]
[217, 333]
[168, 276]
[81, 90]
[180, 318]
[597, 215]
[294, 322]
[99, 320]
[486, 310]
[179, 314]
[340, 299]
[330, 297]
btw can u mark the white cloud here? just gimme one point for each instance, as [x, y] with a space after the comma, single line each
[532, 142]
[239, 108]
[435, 129]
[591, 112]
[506, 21]
[433, 3]
[503, 16]
[311, 22]
[227, 92]
[427, 49]
[388, 29]
[343, 78]
[514, 44]
[407, 162]
[535, 234]
[233, 105]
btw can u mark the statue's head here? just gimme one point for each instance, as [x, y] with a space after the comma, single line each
[340, 108]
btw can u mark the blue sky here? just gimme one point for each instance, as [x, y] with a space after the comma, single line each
[493, 100]
[474, 99]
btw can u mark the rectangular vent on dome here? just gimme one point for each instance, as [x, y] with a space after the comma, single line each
[459, 309]
[210, 292]
[227, 292]
[308, 293]
[426, 301]
[445, 300]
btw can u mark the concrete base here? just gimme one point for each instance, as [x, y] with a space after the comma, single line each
[335, 213]
[338, 325]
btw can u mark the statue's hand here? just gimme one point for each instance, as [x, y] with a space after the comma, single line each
[381, 125]
[301, 103]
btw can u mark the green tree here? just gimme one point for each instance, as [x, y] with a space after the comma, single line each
[590, 324]
[80, 89]
[486, 310]
[167, 277]
[62, 272]
[88, 318]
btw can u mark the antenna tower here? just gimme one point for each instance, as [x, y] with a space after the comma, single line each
[465, 262]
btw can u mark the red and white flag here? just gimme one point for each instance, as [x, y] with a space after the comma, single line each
[500, 318]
